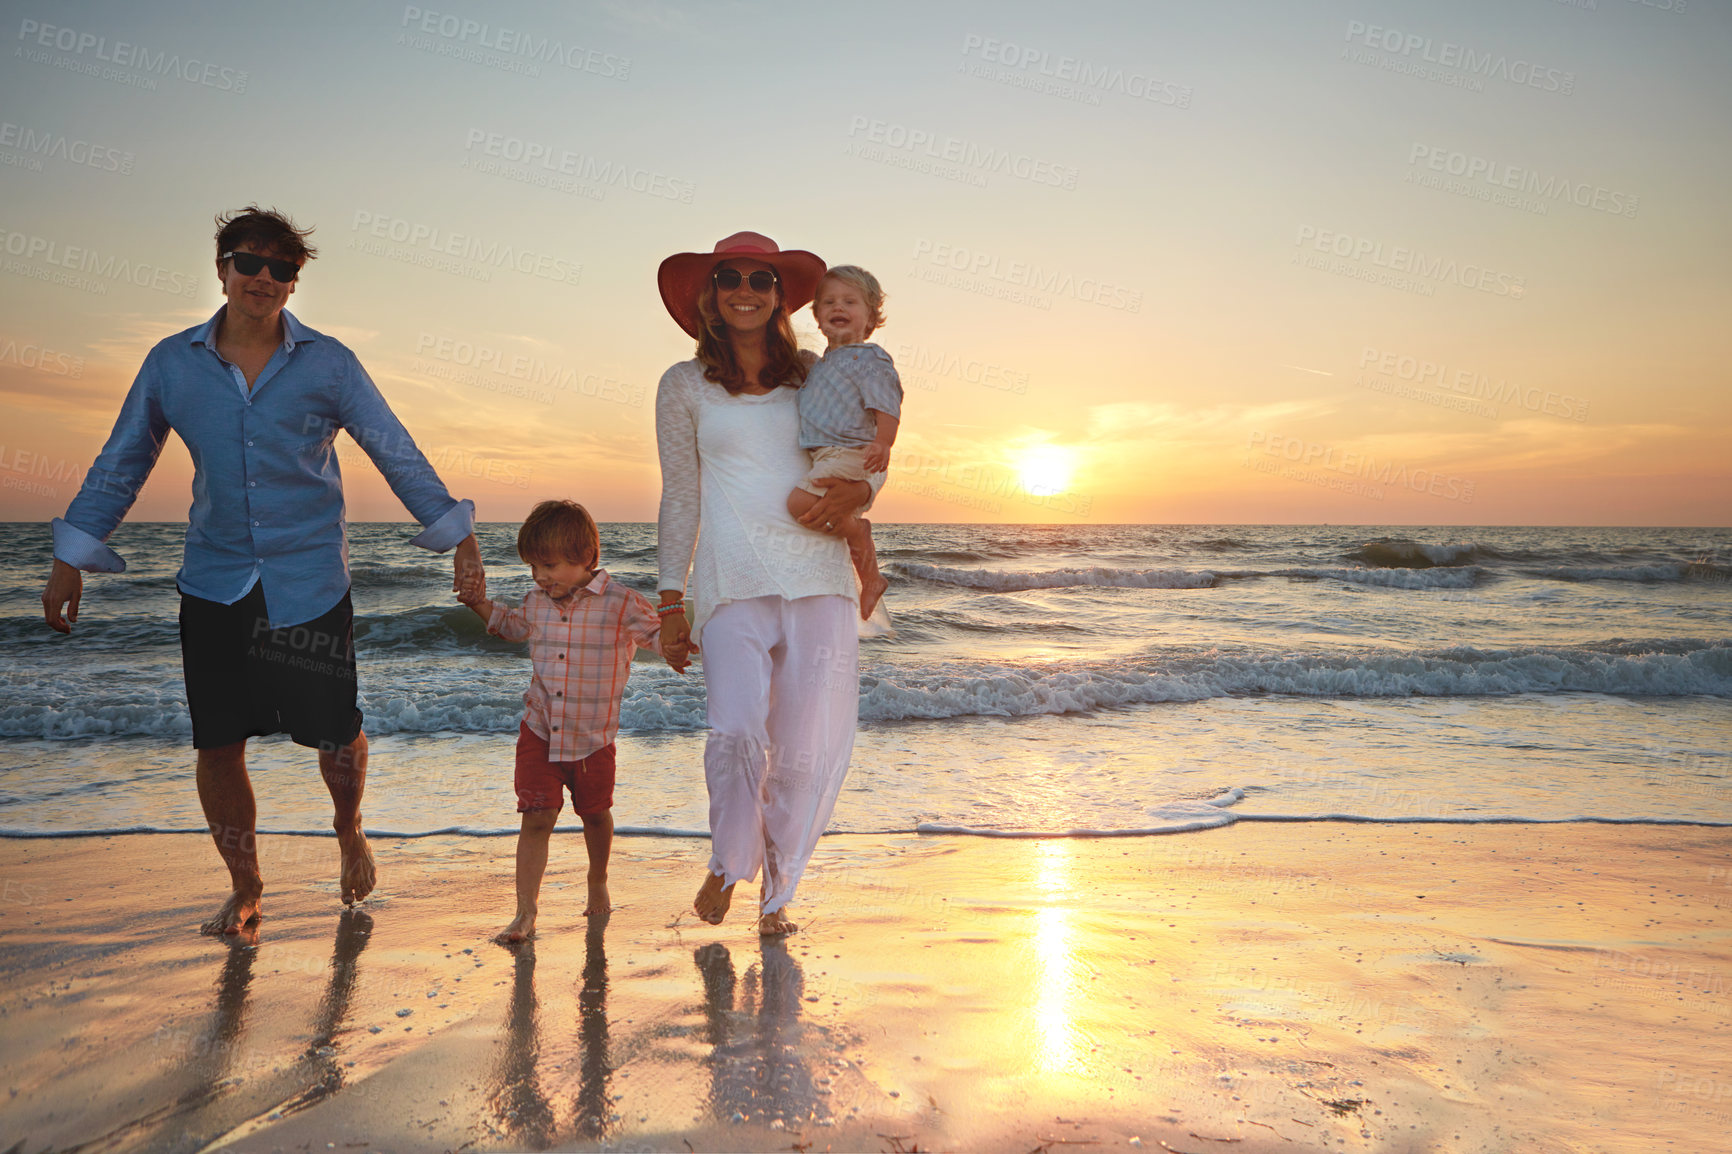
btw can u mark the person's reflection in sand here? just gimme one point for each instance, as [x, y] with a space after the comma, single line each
[519, 1107]
[593, 1106]
[757, 1069]
[319, 1065]
[211, 1053]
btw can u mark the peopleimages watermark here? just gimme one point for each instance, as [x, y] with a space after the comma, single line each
[1515, 186]
[920, 366]
[510, 49]
[121, 62]
[456, 460]
[1464, 390]
[1399, 266]
[1021, 281]
[39, 358]
[27, 471]
[563, 170]
[484, 366]
[1446, 62]
[1361, 474]
[459, 253]
[1067, 77]
[954, 157]
[27, 147]
[85, 268]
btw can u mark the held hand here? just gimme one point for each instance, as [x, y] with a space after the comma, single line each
[466, 566]
[877, 457]
[472, 590]
[840, 499]
[677, 644]
[65, 588]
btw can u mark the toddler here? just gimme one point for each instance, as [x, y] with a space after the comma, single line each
[850, 407]
[582, 627]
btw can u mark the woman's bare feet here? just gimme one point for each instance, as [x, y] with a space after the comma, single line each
[240, 911]
[599, 901]
[775, 925]
[521, 929]
[359, 873]
[713, 899]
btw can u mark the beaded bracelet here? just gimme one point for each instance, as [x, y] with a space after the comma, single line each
[671, 607]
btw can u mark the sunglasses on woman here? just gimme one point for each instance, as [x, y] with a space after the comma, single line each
[728, 279]
[249, 264]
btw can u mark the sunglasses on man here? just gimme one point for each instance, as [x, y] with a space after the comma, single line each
[728, 279]
[249, 264]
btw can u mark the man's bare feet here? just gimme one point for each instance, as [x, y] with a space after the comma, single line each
[775, 925]
[239, 912]
[871, 590]
[599, 901]
[359, 873]
[713, 899]
[521, 929]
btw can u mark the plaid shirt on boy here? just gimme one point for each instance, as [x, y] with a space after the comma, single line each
[581, 651]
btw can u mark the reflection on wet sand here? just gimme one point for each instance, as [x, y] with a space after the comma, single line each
[757, 1070]
[520, 1107]
[319, 1065]
[593, 1106]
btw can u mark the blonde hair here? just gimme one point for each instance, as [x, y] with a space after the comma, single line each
[853, 274]
[558, 531]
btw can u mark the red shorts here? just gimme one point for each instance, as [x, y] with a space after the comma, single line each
[540, 782]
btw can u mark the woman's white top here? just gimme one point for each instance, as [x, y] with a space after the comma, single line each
[728, 465]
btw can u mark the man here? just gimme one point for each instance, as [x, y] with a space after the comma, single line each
[265, 620]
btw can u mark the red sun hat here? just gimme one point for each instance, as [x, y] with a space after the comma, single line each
[683, 275]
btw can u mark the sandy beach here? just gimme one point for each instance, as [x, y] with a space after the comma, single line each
[1256, 988]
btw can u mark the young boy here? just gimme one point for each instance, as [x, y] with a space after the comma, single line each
[850, 407]
[582, 627]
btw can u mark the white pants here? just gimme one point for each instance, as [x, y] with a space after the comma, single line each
[783, 683]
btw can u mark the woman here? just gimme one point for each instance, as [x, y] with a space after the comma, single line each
[773, 602]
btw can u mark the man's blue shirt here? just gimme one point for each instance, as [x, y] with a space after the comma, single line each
[267, 495]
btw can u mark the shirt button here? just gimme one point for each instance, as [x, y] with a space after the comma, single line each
[556, 729]
[561, 656]
[252, 484]
[255, 524]
[559, 693]
[249, 444]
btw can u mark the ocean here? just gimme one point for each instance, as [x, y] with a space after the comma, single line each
[1077, 680]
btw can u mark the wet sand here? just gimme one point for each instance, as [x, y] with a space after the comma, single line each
[1256, 988]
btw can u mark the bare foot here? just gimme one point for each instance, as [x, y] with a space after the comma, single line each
[599, 901]
[521, 929]
[870, 591]
[713, 899]
[359, 874]
[240, 911]
[775, 925]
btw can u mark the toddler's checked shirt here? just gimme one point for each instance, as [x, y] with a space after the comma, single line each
[581, 652]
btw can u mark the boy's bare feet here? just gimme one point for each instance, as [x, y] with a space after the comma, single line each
[359, 873]
[599, 901]
[871, 590]
[240, 911]
[713, 899]
[775, 925]
[521, 929]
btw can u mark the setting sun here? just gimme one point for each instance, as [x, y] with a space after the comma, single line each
[1045, 470]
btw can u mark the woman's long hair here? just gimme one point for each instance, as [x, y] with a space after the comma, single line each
[784, 367]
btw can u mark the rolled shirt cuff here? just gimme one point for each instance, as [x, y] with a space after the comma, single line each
[496, 618]
[449, 530]
[83, 551]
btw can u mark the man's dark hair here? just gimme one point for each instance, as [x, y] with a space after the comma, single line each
[266, 230]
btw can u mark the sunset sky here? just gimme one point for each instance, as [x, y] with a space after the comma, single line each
[1381, 263]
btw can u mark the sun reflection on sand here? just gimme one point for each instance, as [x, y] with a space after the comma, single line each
[1057, 1041]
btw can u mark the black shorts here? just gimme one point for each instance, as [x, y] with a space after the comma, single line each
[245, 679]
